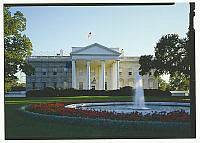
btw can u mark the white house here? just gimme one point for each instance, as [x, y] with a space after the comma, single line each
[92, 67]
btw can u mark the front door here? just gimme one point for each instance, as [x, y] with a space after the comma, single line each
[93, 87]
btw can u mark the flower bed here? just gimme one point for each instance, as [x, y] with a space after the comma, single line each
[59, 110]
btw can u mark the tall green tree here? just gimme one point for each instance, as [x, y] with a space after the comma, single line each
[17, 46]
[162, 84]
[146, 64]
[172, 56]
[178, 81]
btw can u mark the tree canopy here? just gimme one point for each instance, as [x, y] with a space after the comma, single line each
[17, 46]
[172, 56]
[163, 85]
[178, 81]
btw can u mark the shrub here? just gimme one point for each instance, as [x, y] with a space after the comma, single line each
[49, 92]
[33, 93]
[18, 88]
[125, 91]
[156, 92]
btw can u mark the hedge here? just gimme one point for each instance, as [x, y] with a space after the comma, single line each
[34, 93]
[156, 92]
[69, 92]
[18, 88]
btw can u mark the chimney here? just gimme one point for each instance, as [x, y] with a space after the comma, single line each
[122, 53]
[61, 52]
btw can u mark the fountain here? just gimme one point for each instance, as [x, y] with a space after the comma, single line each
[135, 113]
[138, 100]
[137, 104]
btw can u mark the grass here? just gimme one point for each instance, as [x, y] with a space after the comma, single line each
[20, 127]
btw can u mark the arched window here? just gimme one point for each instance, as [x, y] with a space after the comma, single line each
[150, 82]
[121, 82]
[130, 82]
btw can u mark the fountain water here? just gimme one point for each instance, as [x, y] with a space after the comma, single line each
[139, 93]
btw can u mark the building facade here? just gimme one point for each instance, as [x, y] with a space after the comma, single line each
[91, 67]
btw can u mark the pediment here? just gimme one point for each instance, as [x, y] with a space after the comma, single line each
[95, 49]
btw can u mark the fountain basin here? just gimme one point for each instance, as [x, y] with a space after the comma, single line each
[39, 114]
[128, 107]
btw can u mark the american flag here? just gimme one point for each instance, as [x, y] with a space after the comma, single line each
[89, 35]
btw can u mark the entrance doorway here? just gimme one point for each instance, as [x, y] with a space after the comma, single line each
[93, 87]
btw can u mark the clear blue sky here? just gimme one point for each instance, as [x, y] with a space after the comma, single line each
[136, 29]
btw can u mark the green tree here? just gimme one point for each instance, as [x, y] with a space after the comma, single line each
[162, 84]
[178, 81]
[172, 57]
[146, 64]
[18, 87]
[17, 46]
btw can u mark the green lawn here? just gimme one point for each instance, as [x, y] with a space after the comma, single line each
[20, 127]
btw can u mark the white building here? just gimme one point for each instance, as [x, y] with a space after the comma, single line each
[91, 67]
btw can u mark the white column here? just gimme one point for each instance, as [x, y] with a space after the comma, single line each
[117, 62]
[103, 75]
[73, 74]
[114, 76]
[88, 75]
[111, 77]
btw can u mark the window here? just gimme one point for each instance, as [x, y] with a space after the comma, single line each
[120, 73]
[93, 73]
[68, 65]
[121, 81]
[44, 69]
[65, 69]
[143, 83]
[54, 69]
[43, 84]
[106, 86]
[150, 83]
[54, 84]
[130, 71]
[33, 85]
[93, 81]
[37, 69]
[65, 85]
[80, 85]
[81, 73]
[54, 73]
[130, 82]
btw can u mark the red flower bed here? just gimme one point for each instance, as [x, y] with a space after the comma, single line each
[59, 110]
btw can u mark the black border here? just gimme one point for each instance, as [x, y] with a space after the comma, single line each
[88, 4]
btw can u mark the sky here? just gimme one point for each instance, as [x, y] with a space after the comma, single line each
[136, 29]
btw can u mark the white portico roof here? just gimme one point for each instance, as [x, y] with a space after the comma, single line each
[94, 49]
[94, 52]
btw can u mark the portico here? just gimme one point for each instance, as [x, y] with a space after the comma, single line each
[95, 66]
